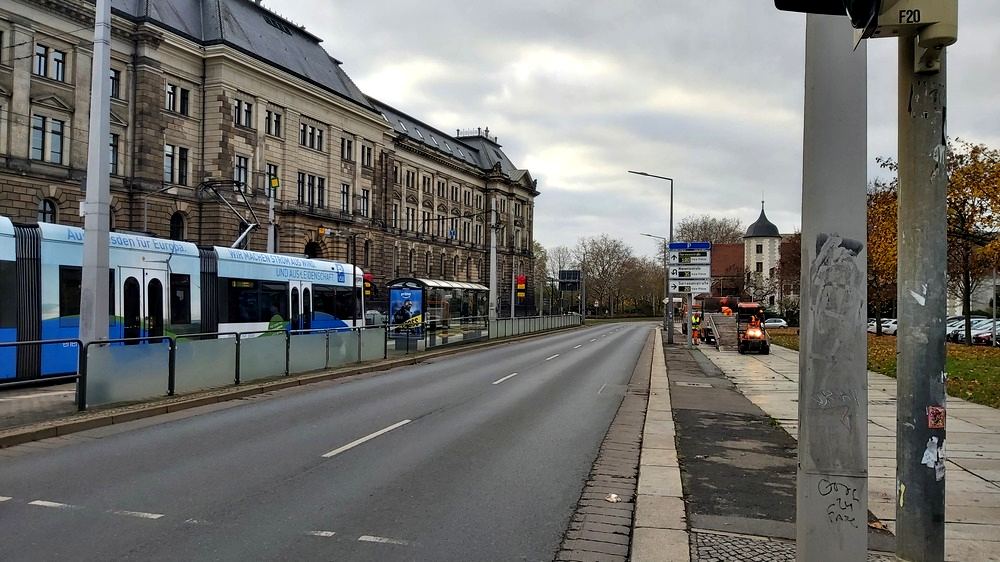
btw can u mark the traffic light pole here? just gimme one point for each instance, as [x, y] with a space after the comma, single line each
[921, 351]
[832, 477]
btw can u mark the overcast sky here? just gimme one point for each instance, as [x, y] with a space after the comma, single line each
[708, 92]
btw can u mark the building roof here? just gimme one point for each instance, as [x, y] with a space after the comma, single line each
[247, 26]
[763, 228]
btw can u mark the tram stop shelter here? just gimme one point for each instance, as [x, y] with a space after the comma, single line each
[436, 312]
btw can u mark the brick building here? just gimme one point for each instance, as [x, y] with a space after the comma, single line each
[210, 99]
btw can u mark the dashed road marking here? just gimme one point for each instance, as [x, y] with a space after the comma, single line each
[593, 340]
[368, 437]
[579, 346]
[602, 387]
[321, 533]
[553, 357]
[504, 378]
[57, 505]
[5, 499]
[381, 540]
[139, 514]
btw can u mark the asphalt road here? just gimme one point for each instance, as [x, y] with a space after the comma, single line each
[476, 456]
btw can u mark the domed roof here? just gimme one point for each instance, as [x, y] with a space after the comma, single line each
[763, 228]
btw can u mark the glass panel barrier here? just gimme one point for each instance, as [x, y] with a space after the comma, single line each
[262, 357]
[204, 363]
[306, 352]
[372, 344]
[343, 348]
[120, 373]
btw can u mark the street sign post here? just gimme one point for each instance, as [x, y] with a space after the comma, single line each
[690, 257]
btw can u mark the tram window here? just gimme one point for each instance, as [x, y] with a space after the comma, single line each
[180, 299]
[324, 300]
[8, 295]
[274, 294]
[240, 296]
[70, 281]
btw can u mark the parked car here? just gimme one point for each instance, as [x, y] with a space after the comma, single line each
[958, 333]
[775, 323]
[889, 327]
[872, 326]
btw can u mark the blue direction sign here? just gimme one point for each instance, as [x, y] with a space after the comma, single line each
[690, 245]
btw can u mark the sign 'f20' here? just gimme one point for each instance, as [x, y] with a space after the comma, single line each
[934, 21]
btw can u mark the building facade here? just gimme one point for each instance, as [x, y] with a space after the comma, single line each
[218, 104]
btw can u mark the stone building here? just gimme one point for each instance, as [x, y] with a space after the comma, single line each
[210, 100]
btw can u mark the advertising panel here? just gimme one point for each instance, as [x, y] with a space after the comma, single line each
[405, 310]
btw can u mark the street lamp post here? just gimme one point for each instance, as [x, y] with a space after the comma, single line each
[670, 294]
[667, 300]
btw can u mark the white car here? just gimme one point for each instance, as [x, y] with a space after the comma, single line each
[889, 327]
[775, 323]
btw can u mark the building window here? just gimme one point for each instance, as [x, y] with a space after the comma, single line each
[395, 215]
[367, 156]
[454, 193]
[427, 263]
[311, 190]
[760, 248]
[168, 163]
[365, 195]
[479, 201]
[49, 63]
[177, 224]
[182, 166]
[47, 211]
[310, 136]
[240, 171]
[345, 198]
[243, 113]
[114, 154]
[116, 84]
[48, 138]
[346, 149]
[320, 192]
[440, 189]
[411, 218]
[425, 221]
[178, 99]
[410, 178]
[272, 123]
[301, 198]
[760, 267]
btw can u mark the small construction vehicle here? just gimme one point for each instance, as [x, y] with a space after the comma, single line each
[750, 332]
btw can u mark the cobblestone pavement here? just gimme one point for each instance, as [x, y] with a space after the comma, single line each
[722, 547]
[601, 530]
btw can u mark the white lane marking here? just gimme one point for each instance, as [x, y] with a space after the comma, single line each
[321, 533]
[38, 395]
[593, 340]
[140, 514]
[43, 503]
[369, 437]
[5, 499]
[553, 357]
[602, 387]
[382, 540]
[579, 346]
[504, 378]
[197, 522]
[604, 336]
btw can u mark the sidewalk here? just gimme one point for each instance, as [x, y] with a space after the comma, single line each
[972, 531]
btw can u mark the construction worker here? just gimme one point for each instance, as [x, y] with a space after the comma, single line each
[695, 327]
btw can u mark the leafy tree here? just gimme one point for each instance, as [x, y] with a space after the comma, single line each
[882, 243]
[707, 228]
[973, 219]
[759, 286]
[540, 275]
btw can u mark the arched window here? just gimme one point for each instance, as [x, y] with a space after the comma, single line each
[177, 226]
[442, 265]
[368, 253]
[454, 265]
[47, 211]
[312, 250]
[411, 260]
[468, 269]
[427, 263]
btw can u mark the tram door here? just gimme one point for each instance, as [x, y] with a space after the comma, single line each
[143, 305]
[300, 305]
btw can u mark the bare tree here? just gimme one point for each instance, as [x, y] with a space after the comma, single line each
[605, 261]
[707, 228]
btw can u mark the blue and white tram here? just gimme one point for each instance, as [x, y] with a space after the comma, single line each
[157, 288]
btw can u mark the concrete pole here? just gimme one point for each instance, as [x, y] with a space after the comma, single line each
[96, 226]
[666, 290]
[832, 489]
[920, 344]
